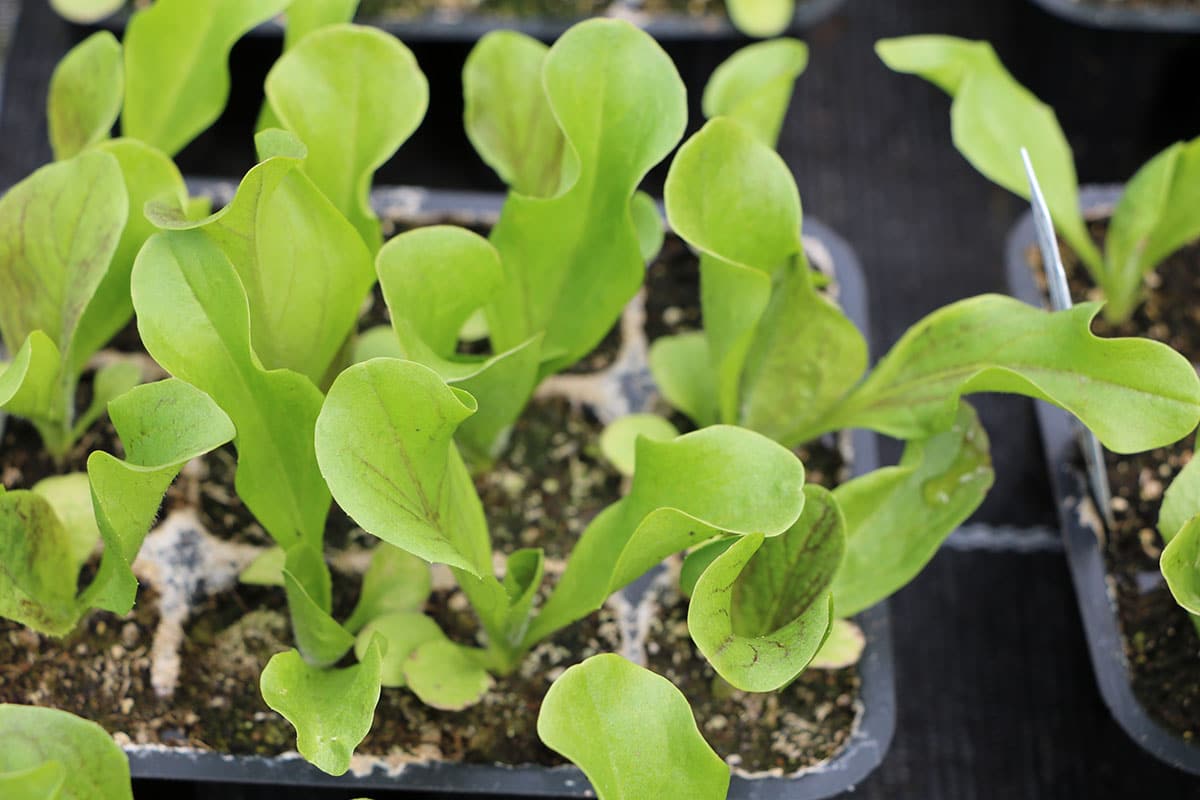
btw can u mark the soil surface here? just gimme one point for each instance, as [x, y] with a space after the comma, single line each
[1160, 641]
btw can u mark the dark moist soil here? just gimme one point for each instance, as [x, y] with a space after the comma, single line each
[1160, 641]
[550, 481]
[398, 10]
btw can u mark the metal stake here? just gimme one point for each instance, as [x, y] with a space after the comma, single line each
[1060, 300]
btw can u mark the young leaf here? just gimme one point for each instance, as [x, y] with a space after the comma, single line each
[683, 493]
[507, 115]
[843, 648]
[353, 95]
[1156, 215]
[446, 675]
[35, 553]
[90, 764]
[781, 354]
[619, 440]
[306, 16]
[59, 229]
[762, 609]
[631, 732]
[1135, 394]
[762, 19]
[754, 86]
[573, 260]
[385, 445]
[897, 517]
[331, 709]
[992, 118]
[404, 632]
[319, 638]
[1180, 564]
[395, 581]
[434, 279]
[1181, 501]
[149, 175]
[193, 318]
[176, 70]
[162, 426]
[86, 12]
[70, 496]
[30, 388]
[683, 370]
[280, 231]
[266, 569]
[649, 225]
[85, 96]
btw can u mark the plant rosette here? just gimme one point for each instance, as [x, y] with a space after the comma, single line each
[1139, 639]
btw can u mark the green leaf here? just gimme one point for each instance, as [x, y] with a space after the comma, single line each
[281, 231]
[377, 342]
[395, 581]
[762, 609]
[649, 224]
[36, 552]
[266, 569]
[897, 517]
[319, 638]
[149, 176]
[754, 86]
[384, 443]
[683, 493]
[1134, 394]
[1156, 215]
[1180, 564]
[70, 496]
[85, 95]
[43, 782]
[111, 381]
[331, 709]
[992, 118]
[682, 369]
[162, 426]
[353, 94]
[761, 18]
[176, 66]
[193, 317]
[507, 115]
[445, 675]
[572, 261]
[631, 732]
[95, 767]
[434, 279]
[85, 12]
[59, 229]
[696, 561]
[619, 440]
[843, 648]
[780, 353]
[29, 388]
[1181, 501]
[403, 631]
[306, 16]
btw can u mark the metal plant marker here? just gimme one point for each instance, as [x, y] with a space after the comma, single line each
[1060, 300]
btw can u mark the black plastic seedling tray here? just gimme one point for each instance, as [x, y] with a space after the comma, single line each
[1127, 16]
[1082, 527]
[467, 26]
[867, 745]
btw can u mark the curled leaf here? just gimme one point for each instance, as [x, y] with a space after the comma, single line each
[90, 765]
[631, 732]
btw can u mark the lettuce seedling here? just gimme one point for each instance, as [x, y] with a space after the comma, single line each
[993, 117]
[565, 127]
[778, 356]
[69, 234]
[47, 753]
